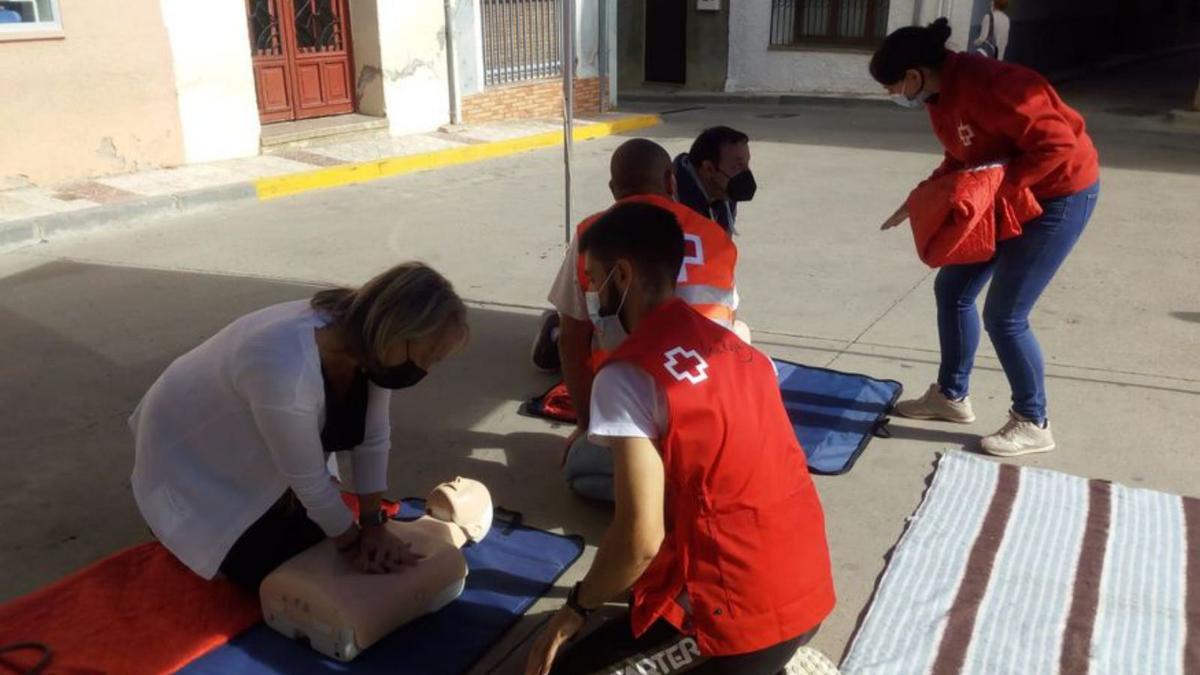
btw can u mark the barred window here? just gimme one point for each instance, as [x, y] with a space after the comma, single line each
[849, 23]
[521, 40]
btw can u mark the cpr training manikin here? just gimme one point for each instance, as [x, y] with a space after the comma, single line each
[319, 597]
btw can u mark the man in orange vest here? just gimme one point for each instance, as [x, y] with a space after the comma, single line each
[641, 172]
[717, 529]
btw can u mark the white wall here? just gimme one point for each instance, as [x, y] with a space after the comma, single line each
[412, 50]
[610, 25]
[587, 38]
[468, 46]
[753, 67]
[214, 78]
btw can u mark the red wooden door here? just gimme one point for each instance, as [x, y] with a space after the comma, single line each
[301, 55]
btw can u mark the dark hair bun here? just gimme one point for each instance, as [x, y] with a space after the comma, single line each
[908, 48]
[940, 29]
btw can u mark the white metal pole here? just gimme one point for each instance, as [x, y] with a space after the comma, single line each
[452, 65]
[568, 69]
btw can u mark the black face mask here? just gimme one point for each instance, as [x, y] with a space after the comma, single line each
[741, 186]
[399, 376]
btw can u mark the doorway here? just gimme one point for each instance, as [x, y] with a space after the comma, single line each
[666, 41]
[301, 55]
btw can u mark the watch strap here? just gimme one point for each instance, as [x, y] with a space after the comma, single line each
[573, 602]
[377, 517]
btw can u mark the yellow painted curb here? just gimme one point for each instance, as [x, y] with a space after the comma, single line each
[347, 174]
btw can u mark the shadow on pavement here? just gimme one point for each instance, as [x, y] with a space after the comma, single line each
[1193, 317]
[897, 429]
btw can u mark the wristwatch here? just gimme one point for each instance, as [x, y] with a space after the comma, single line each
[573, 602]
[377, 517]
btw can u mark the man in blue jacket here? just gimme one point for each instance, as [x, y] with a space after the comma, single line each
[715, 175]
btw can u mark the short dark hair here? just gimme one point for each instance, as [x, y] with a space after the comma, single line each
[708, 144]
[908, 48]
[647, 235]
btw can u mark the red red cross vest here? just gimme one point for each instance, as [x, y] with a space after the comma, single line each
[745, 530]
[706, 279]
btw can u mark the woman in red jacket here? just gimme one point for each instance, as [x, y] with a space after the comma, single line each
[985, 111]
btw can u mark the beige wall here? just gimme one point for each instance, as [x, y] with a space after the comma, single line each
[99, 100]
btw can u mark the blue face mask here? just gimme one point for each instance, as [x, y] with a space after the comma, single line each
[901, 99]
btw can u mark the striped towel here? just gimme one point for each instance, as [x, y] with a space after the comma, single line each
[1027, 571]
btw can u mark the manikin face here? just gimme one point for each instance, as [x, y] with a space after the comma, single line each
[464, 502]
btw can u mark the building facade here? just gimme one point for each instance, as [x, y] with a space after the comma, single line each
[765, 46]
[824, 46]
[104, 88]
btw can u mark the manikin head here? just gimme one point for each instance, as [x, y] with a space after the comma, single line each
[464, 502]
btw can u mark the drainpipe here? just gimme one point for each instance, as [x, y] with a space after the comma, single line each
[567, 57]
[452, 66]
[602, 50]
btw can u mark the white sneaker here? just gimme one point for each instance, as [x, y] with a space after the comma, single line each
[1018, 437]
[935, 406]
[809, 661]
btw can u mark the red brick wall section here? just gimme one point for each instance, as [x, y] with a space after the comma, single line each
[540, 99]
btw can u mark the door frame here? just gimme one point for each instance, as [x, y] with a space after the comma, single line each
[290, 57]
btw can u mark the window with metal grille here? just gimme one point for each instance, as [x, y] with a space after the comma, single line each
[837, 23]
[521, 40]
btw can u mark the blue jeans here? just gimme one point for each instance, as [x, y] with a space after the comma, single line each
[1020, 271]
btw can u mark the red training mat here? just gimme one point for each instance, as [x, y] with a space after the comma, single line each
[137, 611]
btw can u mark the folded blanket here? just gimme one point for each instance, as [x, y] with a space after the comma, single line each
[958, 218]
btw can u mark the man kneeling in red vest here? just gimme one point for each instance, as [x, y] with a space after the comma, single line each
[717, 530]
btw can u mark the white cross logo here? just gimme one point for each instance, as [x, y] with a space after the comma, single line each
[695, 368]
[692, 255]
[965, 134]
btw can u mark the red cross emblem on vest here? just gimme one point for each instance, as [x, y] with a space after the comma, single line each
[686, 364]
[965, 134]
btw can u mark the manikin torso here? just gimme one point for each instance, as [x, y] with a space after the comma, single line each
[319, 597]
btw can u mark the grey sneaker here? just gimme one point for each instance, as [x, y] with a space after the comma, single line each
[1018, 437]
[935, 406]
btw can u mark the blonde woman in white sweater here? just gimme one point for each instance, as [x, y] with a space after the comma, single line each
[232, 468]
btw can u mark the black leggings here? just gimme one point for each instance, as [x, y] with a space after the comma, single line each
[282, 532]
[611, 649]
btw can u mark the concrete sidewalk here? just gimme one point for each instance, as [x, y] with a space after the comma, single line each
[32, 213]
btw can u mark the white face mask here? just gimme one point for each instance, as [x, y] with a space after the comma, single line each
[901, 99]
[610, 332]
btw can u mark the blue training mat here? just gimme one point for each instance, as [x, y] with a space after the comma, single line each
[834, 414]
[511, 568]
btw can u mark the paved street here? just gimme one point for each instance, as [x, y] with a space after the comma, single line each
[90, 319]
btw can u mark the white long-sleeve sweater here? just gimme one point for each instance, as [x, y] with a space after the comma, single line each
[232, 424]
